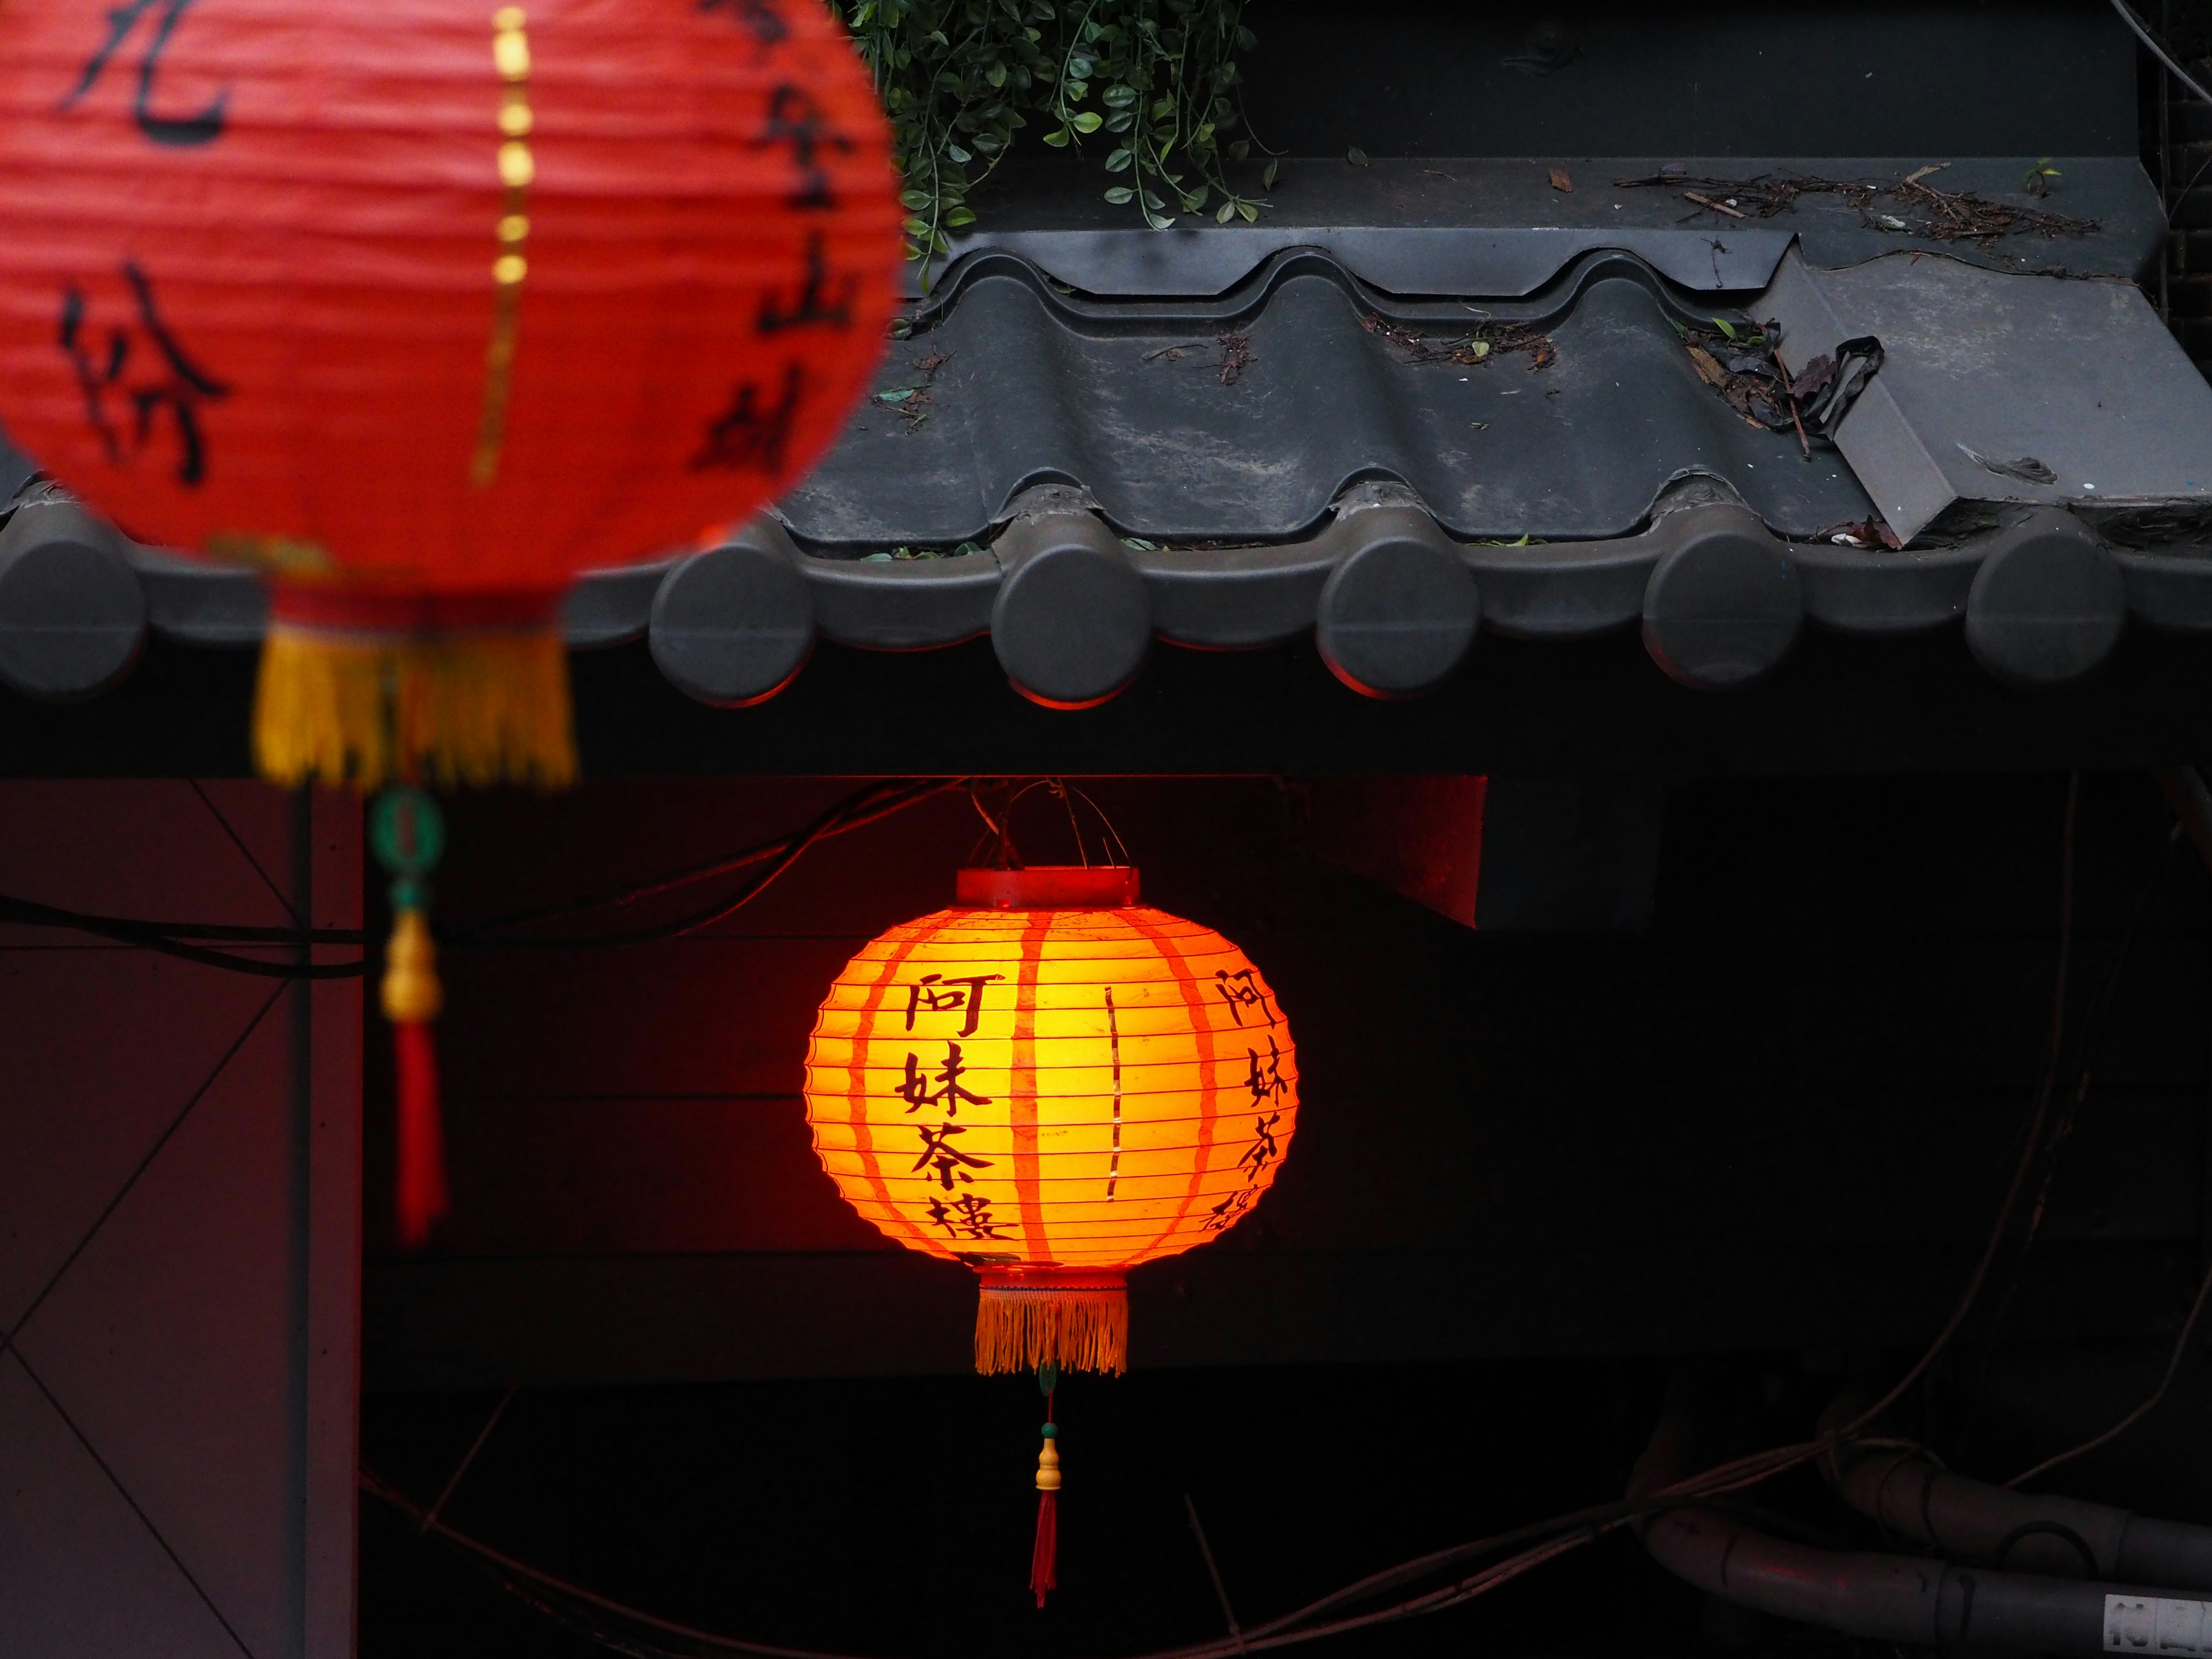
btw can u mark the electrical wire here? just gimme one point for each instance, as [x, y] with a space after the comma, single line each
[175, 938]
[2172, 1366]
[170, 939]
[2157, 49]
[878, 801]
[875, 802]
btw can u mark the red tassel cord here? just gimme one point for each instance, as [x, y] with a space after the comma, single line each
[422, 1199]
[1044, 1559]
[405, 829]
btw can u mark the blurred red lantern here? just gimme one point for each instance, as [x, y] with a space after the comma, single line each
[422, 306]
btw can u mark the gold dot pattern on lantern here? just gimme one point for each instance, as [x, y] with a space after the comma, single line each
[518, 167]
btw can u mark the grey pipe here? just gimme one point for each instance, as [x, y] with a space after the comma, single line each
[1890, 1598]
[1897, 1598]
[1906, 1493]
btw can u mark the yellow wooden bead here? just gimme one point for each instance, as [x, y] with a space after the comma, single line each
[1047, 1477]
[411, 993]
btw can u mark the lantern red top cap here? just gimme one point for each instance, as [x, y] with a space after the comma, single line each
[1049, 887]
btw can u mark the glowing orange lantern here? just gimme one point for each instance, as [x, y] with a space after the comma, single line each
[1053, 1084]
[424, 306]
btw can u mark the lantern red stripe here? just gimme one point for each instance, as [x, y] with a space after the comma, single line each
[1209, 1093]
[856, 1111]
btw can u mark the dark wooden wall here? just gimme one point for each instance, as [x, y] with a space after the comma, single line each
[1781, 1117]
[179, 1232]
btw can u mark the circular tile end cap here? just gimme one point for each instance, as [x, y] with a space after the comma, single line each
[1071, 624]
[2047, 605]
[733, 626]
[1722, 610]
[1397, 617]
[72, 615]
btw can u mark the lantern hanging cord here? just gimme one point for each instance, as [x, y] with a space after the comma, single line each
[1000, 839]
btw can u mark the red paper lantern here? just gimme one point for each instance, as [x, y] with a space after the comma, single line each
[1053, 1083]
[422, 306]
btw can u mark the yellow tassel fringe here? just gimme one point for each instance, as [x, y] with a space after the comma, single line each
[1019, 1328]
[476, 709]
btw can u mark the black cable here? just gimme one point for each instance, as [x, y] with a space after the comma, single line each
[2158, 49]
[848, 814]
[156, 936]
[876, 801]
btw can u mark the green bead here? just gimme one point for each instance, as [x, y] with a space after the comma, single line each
[1052, 1430]
[408, 893]
[406, 831]
[1047, 1378]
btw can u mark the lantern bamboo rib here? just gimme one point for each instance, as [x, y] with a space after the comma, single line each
[1019, 1328]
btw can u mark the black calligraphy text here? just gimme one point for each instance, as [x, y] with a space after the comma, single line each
[815, 304]
[753, 435]
[796, 119]
[935, 995]
[176, 384]
[182, 130]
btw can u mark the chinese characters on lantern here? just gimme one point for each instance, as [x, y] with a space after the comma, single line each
[1267, 1086]
[1241, 991]
[917, 1090]
[751, 436]
[940, 1086]
[759, 17]
[754, 433]
[147, 370]
[203, 128]
[966, 1215]
[935, 995]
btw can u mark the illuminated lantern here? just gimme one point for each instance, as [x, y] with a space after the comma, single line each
[422, 306]
[1053, 1084]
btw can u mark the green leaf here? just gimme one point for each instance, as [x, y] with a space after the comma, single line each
[958, 153]
[1227, 212]
[898, 395]
[1087, 121]
[959, 216]
[1274, 171]
[1119, 159]
[1725, 327]
[1250, 212]
[1240, 149]
[1355, 155]
[1059, 138]
[1121, 195]
[915, 200]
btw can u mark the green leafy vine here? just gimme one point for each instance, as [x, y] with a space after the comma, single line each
[1155, 80]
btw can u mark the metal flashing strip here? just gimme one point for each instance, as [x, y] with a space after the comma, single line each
[2002, 389]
